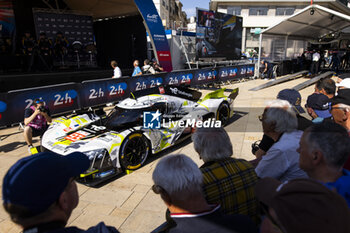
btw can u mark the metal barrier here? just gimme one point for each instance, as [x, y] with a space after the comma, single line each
[68, 97]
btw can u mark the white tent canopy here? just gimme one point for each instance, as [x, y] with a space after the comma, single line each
[311, 23]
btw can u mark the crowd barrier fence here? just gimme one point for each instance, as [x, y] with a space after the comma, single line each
[67, 97]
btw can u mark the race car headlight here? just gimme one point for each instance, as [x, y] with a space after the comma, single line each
[95, 154]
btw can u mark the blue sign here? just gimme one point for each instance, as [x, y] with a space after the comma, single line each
[151, 120]
[3, 108]
[102, 91]
[156, 31]
[204, 76]
[228, 73]
[145, 82]
[250, 70]
[58, 98]
[179, 78]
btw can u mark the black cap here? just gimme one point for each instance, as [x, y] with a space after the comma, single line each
[293, 97]
[320, 104]
[318, 101]
[343, 97]
[35, 182]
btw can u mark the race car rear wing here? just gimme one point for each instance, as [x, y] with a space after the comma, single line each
[220, 94]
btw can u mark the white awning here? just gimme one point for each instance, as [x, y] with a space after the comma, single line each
[311, 23]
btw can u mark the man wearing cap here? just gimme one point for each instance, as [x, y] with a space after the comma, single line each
[318, 106]
[341, 112]
[301, 206]
[324, 149]
[39, 192]
[294, 98]
[36, 118]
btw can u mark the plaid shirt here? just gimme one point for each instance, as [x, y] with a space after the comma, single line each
[230, 182]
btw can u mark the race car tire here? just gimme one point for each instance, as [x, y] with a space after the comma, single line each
[134, 151]
[223, 113]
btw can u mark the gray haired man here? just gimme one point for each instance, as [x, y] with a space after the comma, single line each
[281, 161]
[228, 181]
[179, 182]
[323, 149]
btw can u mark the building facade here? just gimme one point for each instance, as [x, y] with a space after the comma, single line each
[170, 11]
[261, 14]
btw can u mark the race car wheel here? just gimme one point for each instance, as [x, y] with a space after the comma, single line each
[134, 151]
[223, 113]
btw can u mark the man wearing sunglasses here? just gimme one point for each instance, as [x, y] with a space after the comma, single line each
[39, 193]
[36, 118]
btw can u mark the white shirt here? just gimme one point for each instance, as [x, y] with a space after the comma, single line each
[282, 159]
[316, 56]
[117, 72]
[148, 69]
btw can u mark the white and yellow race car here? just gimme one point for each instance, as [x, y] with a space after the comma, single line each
[146, 123]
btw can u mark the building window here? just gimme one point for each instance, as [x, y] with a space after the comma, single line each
[258, 10]
[285, 10]
[234, 10]
[163, 2]
[252, 34]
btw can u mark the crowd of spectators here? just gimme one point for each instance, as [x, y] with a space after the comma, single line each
[299, 181]
[148, 68]
[299, 176]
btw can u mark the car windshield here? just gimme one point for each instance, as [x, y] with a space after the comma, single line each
[120, 118]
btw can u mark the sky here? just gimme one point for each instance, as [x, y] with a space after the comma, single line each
[189, 6]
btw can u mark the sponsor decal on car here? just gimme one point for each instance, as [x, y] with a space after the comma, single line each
[77, 136]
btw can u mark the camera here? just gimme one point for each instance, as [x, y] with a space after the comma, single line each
[42, 109]
[255, 147]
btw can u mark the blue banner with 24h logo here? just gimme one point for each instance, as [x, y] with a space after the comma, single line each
[156, 31]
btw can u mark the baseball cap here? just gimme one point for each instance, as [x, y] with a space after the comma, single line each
[320, 104]
[293, 97]
[343, 97]
[36, 182]
[305, 205]
[345, 83]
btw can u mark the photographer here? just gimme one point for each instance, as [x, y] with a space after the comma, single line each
[35, 120]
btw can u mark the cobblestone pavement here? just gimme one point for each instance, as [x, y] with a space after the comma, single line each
[128, 202]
